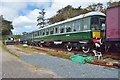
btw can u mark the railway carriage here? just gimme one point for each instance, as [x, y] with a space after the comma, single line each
[72, 33]
[112, 40]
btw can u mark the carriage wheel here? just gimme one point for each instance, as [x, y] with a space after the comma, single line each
[69, 46]
[85, 49]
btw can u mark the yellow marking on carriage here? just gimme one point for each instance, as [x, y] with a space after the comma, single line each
[96, 34]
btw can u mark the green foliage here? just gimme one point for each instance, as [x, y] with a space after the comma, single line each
[113, 4]
[17, 36]
[41, 20]
[5, 37]
[6, 27]
[69, 11]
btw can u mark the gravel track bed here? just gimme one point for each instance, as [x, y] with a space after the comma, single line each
[69, 69]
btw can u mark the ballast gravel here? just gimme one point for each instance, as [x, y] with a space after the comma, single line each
[68, 69]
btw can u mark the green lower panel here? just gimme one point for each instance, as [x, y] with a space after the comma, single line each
[67, 37]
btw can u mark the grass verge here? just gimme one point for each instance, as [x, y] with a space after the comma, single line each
[29, 49]
[59, 54]
[43, 50]
[7, 50]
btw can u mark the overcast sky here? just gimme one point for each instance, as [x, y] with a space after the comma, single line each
[24, 13]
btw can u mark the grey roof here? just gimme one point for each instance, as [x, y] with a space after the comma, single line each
[77, 17]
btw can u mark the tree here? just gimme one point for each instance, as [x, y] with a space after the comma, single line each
[112, 4]
[66, 13]
[69, 12]
[67, 8]
[41, 20]
[95, 7]
[0, 26]
[6, 27]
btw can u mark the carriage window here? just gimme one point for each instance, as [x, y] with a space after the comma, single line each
[47, 31]
[95, 23]
[62, 29]
[85, 27]
[51, 30]
[102, 23]
[43, 32]
[76, 27]
[68, 29]
[56, 30]
[39, 32]
[35, 34]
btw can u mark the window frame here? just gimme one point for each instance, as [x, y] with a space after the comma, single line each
[68, 28]
[51, 30]
[62, 27]
[98, 24]
[43, 31]
[57, 27]
[76, 27]
[47, 31]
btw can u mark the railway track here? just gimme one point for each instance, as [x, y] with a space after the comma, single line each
[96, 62]
[113, 55]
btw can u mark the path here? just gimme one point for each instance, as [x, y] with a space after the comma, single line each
[12, 67]
[68, 69]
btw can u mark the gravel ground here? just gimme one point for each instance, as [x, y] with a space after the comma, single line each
[66, 68]
[69, 69]
[13, 67]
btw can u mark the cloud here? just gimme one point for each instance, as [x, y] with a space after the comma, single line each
[24, 13]
[28, 19]
[21, 22]
[10, 10]
[25, 0]
[26, 23]
[12, 13]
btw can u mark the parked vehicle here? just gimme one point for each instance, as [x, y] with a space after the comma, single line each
[9, 41]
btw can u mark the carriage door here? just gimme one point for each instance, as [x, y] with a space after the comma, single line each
[103, 27]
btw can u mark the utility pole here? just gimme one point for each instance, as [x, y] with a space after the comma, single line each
[40, 19]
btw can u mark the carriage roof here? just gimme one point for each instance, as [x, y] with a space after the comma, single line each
[75, 18]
